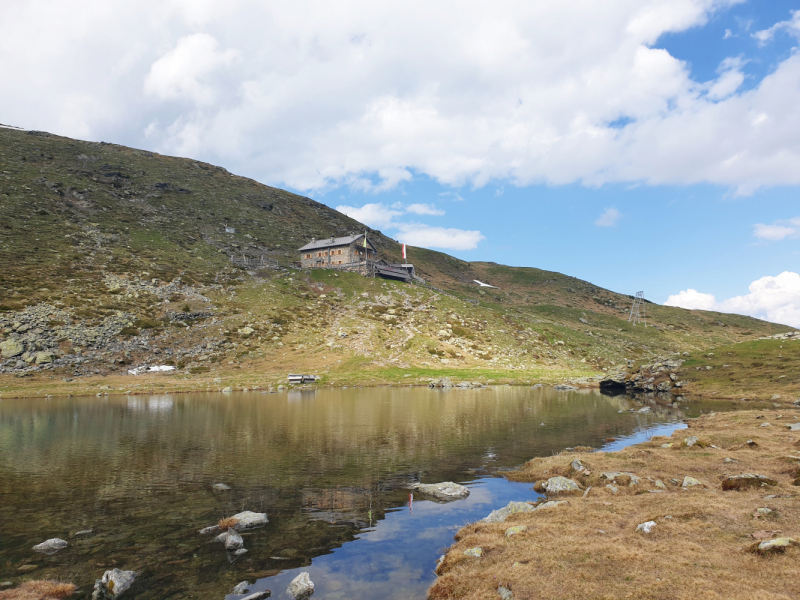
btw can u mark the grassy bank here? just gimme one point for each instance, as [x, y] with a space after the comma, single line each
[704, 543]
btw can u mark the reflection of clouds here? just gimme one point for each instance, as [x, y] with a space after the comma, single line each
[159, 404]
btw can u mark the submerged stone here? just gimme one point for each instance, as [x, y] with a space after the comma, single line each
[51, 546]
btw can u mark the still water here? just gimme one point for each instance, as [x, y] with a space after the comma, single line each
[331, 468]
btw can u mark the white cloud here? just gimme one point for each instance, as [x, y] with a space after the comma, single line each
[377, 216]
[609, 218]
[792, 26]
[454, 196]
[775, 299]
[778, 230]
[417, 234]
[363, 94]
[180, 72]
[424, 209]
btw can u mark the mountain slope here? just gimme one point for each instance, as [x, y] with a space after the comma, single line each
[114, 257]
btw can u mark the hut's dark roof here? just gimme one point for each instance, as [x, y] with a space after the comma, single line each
[328, 242]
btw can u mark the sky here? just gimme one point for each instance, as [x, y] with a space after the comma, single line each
[648, 145]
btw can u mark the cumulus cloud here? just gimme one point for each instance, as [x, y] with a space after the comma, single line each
[609, 218]
[775, 299]
[315, 95]
[417, 234]
[380, 216]
[778, 230]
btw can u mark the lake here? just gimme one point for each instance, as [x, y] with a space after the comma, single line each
[330, 467]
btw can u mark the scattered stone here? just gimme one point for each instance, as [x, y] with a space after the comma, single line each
[793, 426]
[233, 541]
[240, 551]
[11, 348]
[249, 520]
[441, 383]
[474, 552]
[766, 425]
[728, 460]
[690, 441]
[645, 409]
[577, 465]
[501, 514]
[646, 527]
[209, 530]
[113, 584]
[515, 530]
[745, 481]
[660, 484]
[51, 546]
[669, 445]
[447, 490]
[622, 476]
[763, 512]
[220, 487]
[301, 587]
[775, 546]
[614, 489]
[559, 485]
[226, 390]
[505, 593]
[690, 482]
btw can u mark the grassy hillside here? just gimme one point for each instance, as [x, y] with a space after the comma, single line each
[114, 257]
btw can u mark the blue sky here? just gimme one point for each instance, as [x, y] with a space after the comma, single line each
[638, 145]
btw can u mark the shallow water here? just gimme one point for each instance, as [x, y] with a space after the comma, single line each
[330, 468]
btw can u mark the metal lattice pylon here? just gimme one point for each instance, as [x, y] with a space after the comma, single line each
[637, 310]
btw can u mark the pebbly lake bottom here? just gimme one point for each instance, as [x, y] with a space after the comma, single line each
[128, 481]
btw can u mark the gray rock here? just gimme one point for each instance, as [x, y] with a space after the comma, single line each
[301, 587]
[614, 475]
[239, 552]
[43, 358]
[442, 383]
[558, 485]
[250, 520]
[233, 541]
[614, 489]
[690, 482]
[11, 348]
[447, 490]
[645, 409]
[475, 552]
[51, 546]
[775, 546]
[577, 465]
[220, 487]
[226, 390]
[690, 441]
[646, 527]
[793, 426]
[209, 530]
[728, 460]
[113, 584]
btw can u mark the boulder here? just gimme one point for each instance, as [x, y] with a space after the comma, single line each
[690, 482]
[474, 552]
[505, 593]
[793, 426]
[559, 485]
[11, 348]
[43, 358]
[746, 481]
[301, 587]
[113, 584]
[775, 546]
[577, 465]
[51, 546]
[447, 490]
[442, 383]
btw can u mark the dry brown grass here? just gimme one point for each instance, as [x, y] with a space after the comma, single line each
[39, 589]
[226, 524]
[701, 546]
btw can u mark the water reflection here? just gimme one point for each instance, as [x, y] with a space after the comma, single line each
[330, 468]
